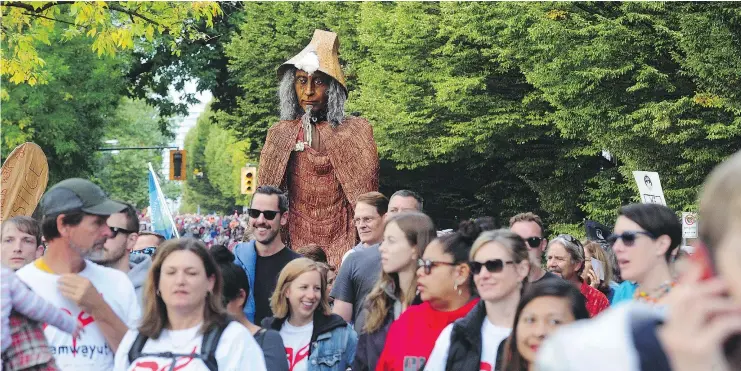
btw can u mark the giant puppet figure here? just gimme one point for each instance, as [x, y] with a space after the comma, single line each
[322, 158]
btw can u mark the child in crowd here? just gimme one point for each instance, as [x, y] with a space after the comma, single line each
[17, 296]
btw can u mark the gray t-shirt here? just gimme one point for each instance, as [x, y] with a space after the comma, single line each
[358, 274]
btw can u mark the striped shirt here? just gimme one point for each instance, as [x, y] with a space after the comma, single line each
[16, 295]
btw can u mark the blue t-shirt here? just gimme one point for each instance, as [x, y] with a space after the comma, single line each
[624, 292]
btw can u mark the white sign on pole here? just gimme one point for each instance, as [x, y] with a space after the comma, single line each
[689, 225]
[649, 187]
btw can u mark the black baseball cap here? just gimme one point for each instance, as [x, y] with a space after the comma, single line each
[78, 194]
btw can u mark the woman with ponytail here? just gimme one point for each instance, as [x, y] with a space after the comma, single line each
[444, 284]
[499, 264]
[236, 289]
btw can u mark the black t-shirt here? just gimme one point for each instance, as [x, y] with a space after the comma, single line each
[267, 270]
[547, 275]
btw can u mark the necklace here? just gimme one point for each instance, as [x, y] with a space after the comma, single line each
[659, 293]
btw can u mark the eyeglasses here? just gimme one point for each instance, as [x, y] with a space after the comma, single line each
[269, 214]
[116, 230]
[365, 220]
[534, 242]
[429, 264]
[628, 237]
[147, 250]
[492, 266]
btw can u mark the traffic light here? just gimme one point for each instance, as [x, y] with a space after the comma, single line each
[177, 164]
[248, 180]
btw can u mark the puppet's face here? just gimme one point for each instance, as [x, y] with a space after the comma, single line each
[312, 89]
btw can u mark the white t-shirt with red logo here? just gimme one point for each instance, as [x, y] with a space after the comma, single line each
[491, 337]
[90, 351]
[297, 341]
[237, 351]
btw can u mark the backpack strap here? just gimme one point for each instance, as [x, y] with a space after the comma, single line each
[499, 363]
[209, 345]
[135, 352]
[260, 337]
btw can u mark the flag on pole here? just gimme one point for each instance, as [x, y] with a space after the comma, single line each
[162, 222]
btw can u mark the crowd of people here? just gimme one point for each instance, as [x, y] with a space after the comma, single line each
[98, 294]
[324, 273]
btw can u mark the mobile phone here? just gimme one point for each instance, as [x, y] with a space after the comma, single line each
[702, 256]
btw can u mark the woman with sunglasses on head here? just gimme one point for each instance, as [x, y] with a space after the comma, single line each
[405, 238]
[500, 265]
[236, 289]
[444, 284]
[543, 308]
[644, 239]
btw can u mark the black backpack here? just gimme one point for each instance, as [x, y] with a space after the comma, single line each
[207, 355]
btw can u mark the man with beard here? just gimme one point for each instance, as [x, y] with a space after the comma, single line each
[117, 251]
[264, 257]
[323, 158]
[74, 214]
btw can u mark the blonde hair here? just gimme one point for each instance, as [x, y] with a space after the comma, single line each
[279, 302]
[419, 231]
[510, 240]
[596, 250]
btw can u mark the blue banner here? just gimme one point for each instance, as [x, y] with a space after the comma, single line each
[160, 221]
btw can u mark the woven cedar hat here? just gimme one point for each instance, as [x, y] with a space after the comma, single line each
[320, 55]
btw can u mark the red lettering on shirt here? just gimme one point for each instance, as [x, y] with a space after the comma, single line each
[84, 318]
[179, 363]
[294, 359]
[486, 367]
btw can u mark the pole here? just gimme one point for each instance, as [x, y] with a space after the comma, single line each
[125, 148]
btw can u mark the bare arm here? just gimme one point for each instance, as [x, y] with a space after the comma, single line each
[112, 327]
[83, 293]
[343, 309]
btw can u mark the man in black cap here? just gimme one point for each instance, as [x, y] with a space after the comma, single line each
[74, 214]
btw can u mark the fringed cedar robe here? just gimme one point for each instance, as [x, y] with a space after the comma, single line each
[322, 185]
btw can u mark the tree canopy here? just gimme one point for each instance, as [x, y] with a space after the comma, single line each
[484, 108]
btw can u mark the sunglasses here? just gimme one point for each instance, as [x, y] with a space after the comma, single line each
[429, 264]
[269, 214]
[492, 266]
[571, 239]
[533, 242]
[628, 237]
[147, 250]
[116, 230]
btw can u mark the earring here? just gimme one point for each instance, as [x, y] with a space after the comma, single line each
[455, 287]
[157, 292]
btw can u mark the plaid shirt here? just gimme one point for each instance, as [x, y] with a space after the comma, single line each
[29, 349]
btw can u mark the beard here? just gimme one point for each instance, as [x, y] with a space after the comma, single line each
[100, 255]
[272, 233]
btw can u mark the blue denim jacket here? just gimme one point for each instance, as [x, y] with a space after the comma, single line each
[333, 342]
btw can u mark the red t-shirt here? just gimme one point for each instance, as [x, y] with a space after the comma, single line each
[411, 338]
[596, 300]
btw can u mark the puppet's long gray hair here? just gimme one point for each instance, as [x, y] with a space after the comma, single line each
[291, 110]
